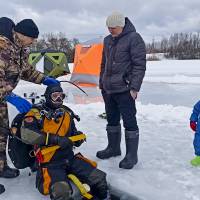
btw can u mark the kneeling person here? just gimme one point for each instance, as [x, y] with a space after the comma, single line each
[51, 129]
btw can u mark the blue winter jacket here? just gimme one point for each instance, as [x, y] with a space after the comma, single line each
[195, 116]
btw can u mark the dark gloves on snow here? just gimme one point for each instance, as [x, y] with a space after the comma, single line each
[193, 125]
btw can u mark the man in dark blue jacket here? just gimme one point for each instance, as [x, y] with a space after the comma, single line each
[122, 71]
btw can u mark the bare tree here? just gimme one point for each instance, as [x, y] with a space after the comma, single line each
[177, 46]
[58, 42]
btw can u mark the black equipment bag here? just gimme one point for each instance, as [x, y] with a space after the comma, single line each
[21, 154]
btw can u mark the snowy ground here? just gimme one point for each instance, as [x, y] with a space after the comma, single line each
[163, 171]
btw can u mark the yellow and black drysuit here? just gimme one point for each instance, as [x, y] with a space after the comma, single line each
[52, 133]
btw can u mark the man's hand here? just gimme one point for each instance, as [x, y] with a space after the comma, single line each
[79, 142]
[21, 104]
[61, 141]
[193, 125]
[133, 94]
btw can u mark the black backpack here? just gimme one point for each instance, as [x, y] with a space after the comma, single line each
[21, 154]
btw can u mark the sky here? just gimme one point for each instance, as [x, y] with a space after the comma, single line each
[85, 19]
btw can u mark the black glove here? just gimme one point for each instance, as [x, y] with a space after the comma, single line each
[61, 141]
[79, 142]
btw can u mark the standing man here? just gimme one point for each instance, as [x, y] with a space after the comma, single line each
[13, 67]
[122, 71]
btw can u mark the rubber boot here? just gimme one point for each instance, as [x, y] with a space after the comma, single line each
[9, 172]
[2, 189]
[131, 158]
[196, 161]
[114, 140]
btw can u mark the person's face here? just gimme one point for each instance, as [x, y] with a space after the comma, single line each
[25, 40]
[115, 31]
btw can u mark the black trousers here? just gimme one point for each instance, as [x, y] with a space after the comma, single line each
[47, 176]
[120, 104]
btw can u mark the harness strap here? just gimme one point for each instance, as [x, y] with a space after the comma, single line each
[78, 137]
[80, 186]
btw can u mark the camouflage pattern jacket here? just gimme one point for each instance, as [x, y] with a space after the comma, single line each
[14, 66]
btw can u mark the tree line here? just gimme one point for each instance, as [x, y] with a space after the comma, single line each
[177, 46]
[58, 42]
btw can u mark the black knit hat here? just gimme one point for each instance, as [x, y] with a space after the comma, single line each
[28, 28]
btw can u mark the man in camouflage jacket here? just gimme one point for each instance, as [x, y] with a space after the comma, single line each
[14, 66]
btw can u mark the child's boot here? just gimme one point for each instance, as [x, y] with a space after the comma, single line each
[196, 161]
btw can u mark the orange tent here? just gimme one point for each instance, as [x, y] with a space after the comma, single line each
[87, 61]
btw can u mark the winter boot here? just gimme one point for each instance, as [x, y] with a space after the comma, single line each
[2, 189]
[196, 161]
[114, 140]
[131, 158]
[9, 172]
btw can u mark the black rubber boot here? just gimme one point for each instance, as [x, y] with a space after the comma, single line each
[131, 158]
[114, 140]
[2, 189]
[9, 172]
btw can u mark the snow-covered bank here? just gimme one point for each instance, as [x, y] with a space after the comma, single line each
[176, 79]
[173, 71]
[173, 67]
[163, 171]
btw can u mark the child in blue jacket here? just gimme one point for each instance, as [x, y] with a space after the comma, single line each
[195, 126]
